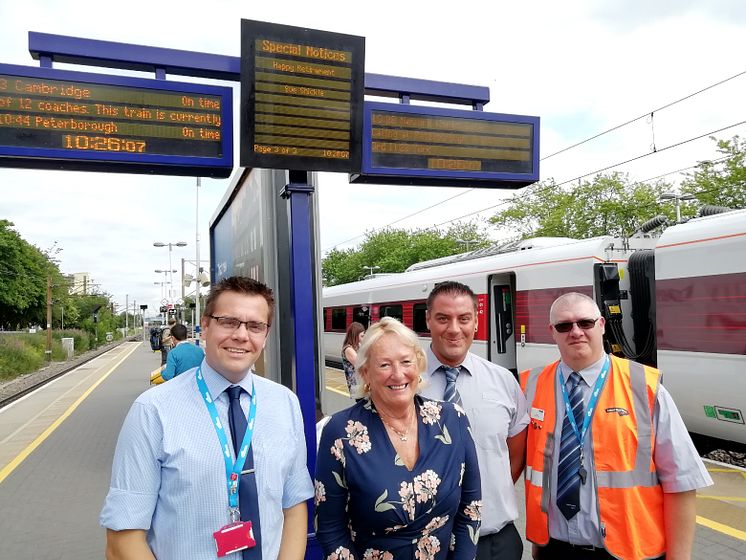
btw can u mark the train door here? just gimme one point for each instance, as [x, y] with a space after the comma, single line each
[502, 321]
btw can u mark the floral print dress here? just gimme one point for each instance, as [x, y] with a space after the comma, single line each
[369, 506]
[349, 370]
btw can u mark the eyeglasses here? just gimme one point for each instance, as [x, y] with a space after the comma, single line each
[232, 324]
[585, 324]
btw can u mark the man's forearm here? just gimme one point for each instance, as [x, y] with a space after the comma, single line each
[679, 516]
[127, 545]
[517, 454]
[294, 533]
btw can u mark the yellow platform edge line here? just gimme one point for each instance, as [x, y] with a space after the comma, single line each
[18, 459]
[724, 470]
[721, 528]
[722, 498]
[338, 391]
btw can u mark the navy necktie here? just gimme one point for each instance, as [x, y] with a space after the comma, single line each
[248, 501]
[568, 469]
[451, 393]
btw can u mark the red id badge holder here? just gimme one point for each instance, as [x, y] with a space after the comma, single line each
[234, 537]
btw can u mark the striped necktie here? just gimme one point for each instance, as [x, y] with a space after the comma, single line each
[451, 393]
[248, 499]
[568, 477]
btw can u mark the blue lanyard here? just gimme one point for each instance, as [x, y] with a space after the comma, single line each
[580, 434]
[232, 470]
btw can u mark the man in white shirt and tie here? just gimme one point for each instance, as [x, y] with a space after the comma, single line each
[494, 404]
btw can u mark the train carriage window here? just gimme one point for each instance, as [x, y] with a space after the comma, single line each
[394, 311]
[339, 319]
[419, 324]
[361, 315]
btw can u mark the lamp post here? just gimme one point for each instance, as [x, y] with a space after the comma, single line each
[170, 265]
[371, 269]
[196, 299]
[466, 242]
[163, 287]
[201, 280]
[166, 281]
[677, 198]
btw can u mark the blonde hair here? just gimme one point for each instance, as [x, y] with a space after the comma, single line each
[386, 326]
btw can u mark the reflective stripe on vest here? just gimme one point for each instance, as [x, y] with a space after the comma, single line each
[534, 477]
[641, 474]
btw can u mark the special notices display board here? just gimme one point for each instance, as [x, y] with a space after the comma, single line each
[72, 120]
[301, 98]
[412, 145]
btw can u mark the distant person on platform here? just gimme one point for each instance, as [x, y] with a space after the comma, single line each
[350, 346]
[183, 356]
[494, 404]
[611, 471]
[167, 341]
[213, 446]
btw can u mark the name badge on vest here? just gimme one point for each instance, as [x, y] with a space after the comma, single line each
[234, 537]
[619, 410]
[537, 414]
[537, 418]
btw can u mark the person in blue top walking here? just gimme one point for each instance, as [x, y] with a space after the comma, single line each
[183, 356]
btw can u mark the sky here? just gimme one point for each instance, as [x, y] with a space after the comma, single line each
[582, 66]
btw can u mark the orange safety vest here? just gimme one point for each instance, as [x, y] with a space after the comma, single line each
[630, 499]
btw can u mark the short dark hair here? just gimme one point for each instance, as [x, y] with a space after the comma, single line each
[450, 288]
[240, 285]
[179, 332]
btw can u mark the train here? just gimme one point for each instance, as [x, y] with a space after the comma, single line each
[675, 300]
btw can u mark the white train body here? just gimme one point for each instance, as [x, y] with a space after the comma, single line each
[700, 274]
[700, 271]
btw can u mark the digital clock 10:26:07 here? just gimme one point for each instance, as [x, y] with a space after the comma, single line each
[102, 143]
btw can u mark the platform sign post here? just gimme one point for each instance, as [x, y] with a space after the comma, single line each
[301, 98]
[301, 110]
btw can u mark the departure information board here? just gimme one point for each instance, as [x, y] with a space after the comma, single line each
[406, 144]
[301, 98]
[72, 120]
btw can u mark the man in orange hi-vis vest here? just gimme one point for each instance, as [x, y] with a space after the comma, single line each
[611, 471]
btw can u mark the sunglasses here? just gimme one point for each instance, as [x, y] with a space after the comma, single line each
[585, 324]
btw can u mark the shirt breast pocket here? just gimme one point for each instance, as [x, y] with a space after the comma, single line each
[490, 420]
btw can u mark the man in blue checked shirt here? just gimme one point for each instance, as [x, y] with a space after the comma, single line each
[178, 487]
[183, 356]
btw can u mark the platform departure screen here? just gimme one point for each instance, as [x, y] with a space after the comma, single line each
[79, 119]
[302, 94]
[428, 145]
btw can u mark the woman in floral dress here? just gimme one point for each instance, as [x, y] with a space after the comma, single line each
[396, 474]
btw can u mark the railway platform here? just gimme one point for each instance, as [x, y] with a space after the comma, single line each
[56, 447]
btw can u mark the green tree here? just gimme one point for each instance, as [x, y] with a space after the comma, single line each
[722, 182]
[607, 205]
[24, 270]
[393, 250]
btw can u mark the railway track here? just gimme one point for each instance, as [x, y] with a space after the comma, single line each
[15, 389]
[730, 457]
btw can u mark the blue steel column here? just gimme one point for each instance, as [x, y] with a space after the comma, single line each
[304, 324]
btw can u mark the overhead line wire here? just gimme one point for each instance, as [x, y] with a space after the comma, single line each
[645, 115]
[556, 185]
[405, 217]
[612, 129]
